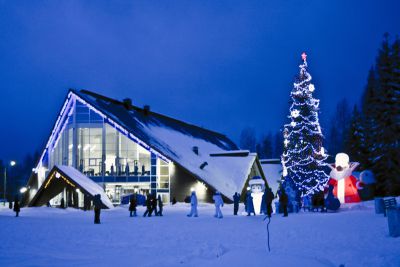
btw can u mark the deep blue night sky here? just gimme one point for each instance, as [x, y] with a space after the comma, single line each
[223, 65]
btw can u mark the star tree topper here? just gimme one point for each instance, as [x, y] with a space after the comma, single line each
[304, 56]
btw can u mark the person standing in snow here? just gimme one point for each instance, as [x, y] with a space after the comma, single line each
[16, 206]
[193, 203]
[249, 204]
[149, 200]
[218, 204]
[97, 208]
[269, 197]
[154, 204]
[236, 199]
[283, 201]
[160, 205]
[132, 205]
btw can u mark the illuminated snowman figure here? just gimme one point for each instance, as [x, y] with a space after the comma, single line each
[257, 186]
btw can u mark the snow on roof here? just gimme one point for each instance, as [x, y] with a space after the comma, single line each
[227, 174]
[86, 183]
[227, 168]
[273, 172]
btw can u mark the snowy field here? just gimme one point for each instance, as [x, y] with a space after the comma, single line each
[53, 237]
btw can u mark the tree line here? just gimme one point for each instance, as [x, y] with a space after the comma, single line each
[373, 134]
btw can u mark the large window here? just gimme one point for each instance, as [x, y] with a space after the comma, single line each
[90, 150]
[162, 174]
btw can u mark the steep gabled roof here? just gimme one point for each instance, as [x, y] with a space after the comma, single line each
[217, 162]
[61, 176]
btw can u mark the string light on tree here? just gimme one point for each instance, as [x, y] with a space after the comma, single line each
[303, 157]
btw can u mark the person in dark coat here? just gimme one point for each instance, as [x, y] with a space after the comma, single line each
[236, 199]
[269, 197]
[173, 201]
[249, 204]
[132, 205]
[149, 210]
[160, 205]
[10, 203]
[16, 206]
[97, 208]
[283, 201]
[154, 204]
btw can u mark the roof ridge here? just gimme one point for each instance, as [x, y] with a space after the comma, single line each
[114, 101]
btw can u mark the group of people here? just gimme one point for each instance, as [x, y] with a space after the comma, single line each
[151, 206]
[266, 203]
[217, 201]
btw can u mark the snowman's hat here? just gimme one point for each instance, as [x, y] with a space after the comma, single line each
[256, 180]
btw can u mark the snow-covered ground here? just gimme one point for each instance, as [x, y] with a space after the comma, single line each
[53, 237]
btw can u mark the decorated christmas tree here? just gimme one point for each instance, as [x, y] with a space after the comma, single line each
[303, 158]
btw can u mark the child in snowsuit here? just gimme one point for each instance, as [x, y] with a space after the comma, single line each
[236, 199]
[193, 204]
[218, 204]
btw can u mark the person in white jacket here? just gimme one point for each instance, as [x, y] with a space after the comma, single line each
[218, 204]
[193, 203]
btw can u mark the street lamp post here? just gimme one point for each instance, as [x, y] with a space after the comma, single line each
[12, 164]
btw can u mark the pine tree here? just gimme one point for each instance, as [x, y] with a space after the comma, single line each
[355, 145]
[339, 124]
[248, 139]
[370, 103]
[303, 158]
[386, 152]
[264, 148]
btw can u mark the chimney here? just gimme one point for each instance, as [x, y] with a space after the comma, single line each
[196, 150]
[203, 165]
[146, 110]
[127, 103]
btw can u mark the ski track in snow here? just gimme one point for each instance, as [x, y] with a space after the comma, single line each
[355, 236]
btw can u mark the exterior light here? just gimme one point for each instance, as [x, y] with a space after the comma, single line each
[77, 190]
[58, 175]
[23, 190]
[12, 163]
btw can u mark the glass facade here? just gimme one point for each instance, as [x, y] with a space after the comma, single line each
[97, 149]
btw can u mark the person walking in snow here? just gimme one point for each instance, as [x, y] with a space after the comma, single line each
[193, 204]
[283, 201]
[218, 204]
[269, 197]
[154, 204]
[132, 205]
[249, 204]
[149, 200]
[16, 206]
[236, 199]
[160, 205]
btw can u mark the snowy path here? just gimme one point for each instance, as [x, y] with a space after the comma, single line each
[53, 237]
